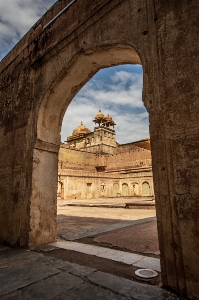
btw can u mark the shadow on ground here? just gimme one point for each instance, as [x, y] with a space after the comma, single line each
[71, 224]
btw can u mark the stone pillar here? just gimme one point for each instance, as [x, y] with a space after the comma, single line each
[43, 208]
[174, 131]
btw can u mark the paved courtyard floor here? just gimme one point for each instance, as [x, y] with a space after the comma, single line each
[97, 252]
[31, 275]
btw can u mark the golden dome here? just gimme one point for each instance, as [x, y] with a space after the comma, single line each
[81, 129]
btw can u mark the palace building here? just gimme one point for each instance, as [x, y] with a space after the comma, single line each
[93, 165]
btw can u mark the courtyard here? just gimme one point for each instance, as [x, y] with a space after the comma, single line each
[100, 245]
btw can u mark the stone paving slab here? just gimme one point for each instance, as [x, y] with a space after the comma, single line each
[79, 247]
[72, 268]
[148, 263]
[18, 256]
[47, 288]
[102, 229]
[20, 275]
[116, 255]
[11, 258]
[128, 288]
[121, 256]
[89, 292]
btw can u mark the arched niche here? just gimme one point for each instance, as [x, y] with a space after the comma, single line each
[125, 190]
[145, 189]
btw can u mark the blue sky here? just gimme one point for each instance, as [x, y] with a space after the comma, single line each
[117, 91]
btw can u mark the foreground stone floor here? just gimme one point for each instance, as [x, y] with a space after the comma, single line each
[116, 255]
[95, 257]
[31, 275]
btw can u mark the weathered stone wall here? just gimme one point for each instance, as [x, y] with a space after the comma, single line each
[138, 157]
[69, 157]
[145, 144]
[47, 68]
[78, 176]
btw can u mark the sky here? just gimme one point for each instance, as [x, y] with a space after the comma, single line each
[116, 91]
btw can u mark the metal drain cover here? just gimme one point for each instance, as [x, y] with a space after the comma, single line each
[146, 273]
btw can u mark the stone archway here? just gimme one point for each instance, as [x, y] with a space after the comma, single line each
[49, 127]
[47, 68]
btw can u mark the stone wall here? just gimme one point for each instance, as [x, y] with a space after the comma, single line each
[130, 170]
[82, 184]
[77, 158]
[135, 158]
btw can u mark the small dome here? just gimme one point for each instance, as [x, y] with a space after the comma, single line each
[99, 115]
[99, 118]
[108, 121]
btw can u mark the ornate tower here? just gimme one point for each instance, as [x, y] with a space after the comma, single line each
[104, 135]
[101, 140]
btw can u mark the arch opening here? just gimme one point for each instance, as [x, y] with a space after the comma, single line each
[50, 115]
[89, 185]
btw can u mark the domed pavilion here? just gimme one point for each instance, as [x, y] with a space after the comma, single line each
[79, 132]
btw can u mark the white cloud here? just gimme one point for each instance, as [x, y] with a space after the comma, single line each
[16, 18]
[124, 88]
[131, 127]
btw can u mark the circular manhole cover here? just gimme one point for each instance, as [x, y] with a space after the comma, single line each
[146, 273]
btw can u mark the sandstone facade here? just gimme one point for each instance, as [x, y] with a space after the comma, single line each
[93, 165]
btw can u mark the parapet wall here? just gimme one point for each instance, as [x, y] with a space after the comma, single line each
[129, 157]
[69, 157]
